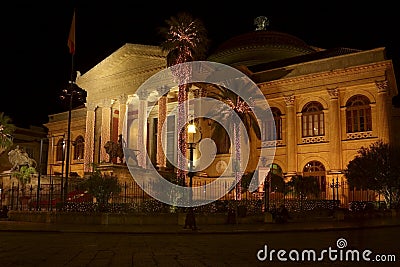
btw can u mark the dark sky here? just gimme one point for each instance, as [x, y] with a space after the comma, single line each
[36, 64]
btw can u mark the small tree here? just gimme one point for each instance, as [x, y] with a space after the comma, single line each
[101, 186]
[304, 186]
[24, 175]
[377, 167]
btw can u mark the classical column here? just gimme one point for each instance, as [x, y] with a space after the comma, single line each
[105, 128]
[142, 129]
[291, 146]
[334, 130]
[382, 111]
[162, 115]
[122, 99]
[89, 137]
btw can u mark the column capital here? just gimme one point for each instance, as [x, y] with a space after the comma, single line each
[123, 98]
[107, 103]
[163, 90]
[289, 100]
[382, 86]
[142, 94]
[333, 93]
[91, 106]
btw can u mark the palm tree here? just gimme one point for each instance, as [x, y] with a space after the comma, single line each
[239, 112]
[6, 130]
[185, 40]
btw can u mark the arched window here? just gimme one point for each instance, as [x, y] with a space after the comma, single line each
[272, 130]
[60, 150]
[276, 169]
[79, 147]
[316, 169]
[358, 114]
[313, 119]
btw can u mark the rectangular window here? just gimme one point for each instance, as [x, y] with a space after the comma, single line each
[348, 122]
[321, 124]
[278, 129]
[315, 124]
[362, 120]
[368, 118]
[171, 137]
[264, 131]
[355, 121]
[270, 131]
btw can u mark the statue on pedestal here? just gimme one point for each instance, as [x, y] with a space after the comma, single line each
[115, 150]
[18, 158]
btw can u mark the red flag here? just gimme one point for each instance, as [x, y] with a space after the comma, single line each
[71, 36]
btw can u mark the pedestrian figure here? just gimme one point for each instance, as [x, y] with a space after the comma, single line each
[282, 214]
[190, 221]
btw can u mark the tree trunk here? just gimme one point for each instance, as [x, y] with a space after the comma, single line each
[181, 159]
[238, 171]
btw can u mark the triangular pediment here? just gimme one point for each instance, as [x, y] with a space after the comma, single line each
[129, 66]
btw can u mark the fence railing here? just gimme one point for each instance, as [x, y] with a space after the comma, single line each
[50, 196]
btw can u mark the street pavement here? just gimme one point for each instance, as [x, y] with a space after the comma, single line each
[19, 226]
[227, 245]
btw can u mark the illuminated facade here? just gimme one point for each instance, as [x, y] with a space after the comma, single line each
[326, 104]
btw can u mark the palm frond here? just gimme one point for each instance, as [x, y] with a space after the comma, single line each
[185, 38]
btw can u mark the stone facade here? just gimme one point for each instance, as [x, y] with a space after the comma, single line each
[327, 104]
[57, 136]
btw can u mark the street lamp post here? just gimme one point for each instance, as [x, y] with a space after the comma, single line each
[70, 93]
[266, 192]
[39, 174]
[335, 187]
[192, 131]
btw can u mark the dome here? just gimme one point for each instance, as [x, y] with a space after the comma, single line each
[259, 47]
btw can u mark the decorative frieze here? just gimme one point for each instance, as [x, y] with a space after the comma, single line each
[359, 135]
[273, 143]
[313, 139]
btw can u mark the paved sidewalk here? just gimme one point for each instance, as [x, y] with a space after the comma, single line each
[6, 225]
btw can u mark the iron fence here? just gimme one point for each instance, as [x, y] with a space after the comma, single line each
[50, 196]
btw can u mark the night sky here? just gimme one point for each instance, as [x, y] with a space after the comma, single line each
[36, 64]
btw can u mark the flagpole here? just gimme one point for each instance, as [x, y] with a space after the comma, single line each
[71, 45]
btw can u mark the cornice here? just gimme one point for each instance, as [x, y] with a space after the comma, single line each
[129, 58]
[129, 78]
[251, 48]
[333, 74]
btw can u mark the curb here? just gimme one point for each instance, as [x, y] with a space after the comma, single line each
[240, 230]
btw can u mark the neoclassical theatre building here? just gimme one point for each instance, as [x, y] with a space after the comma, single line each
[326, 104]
